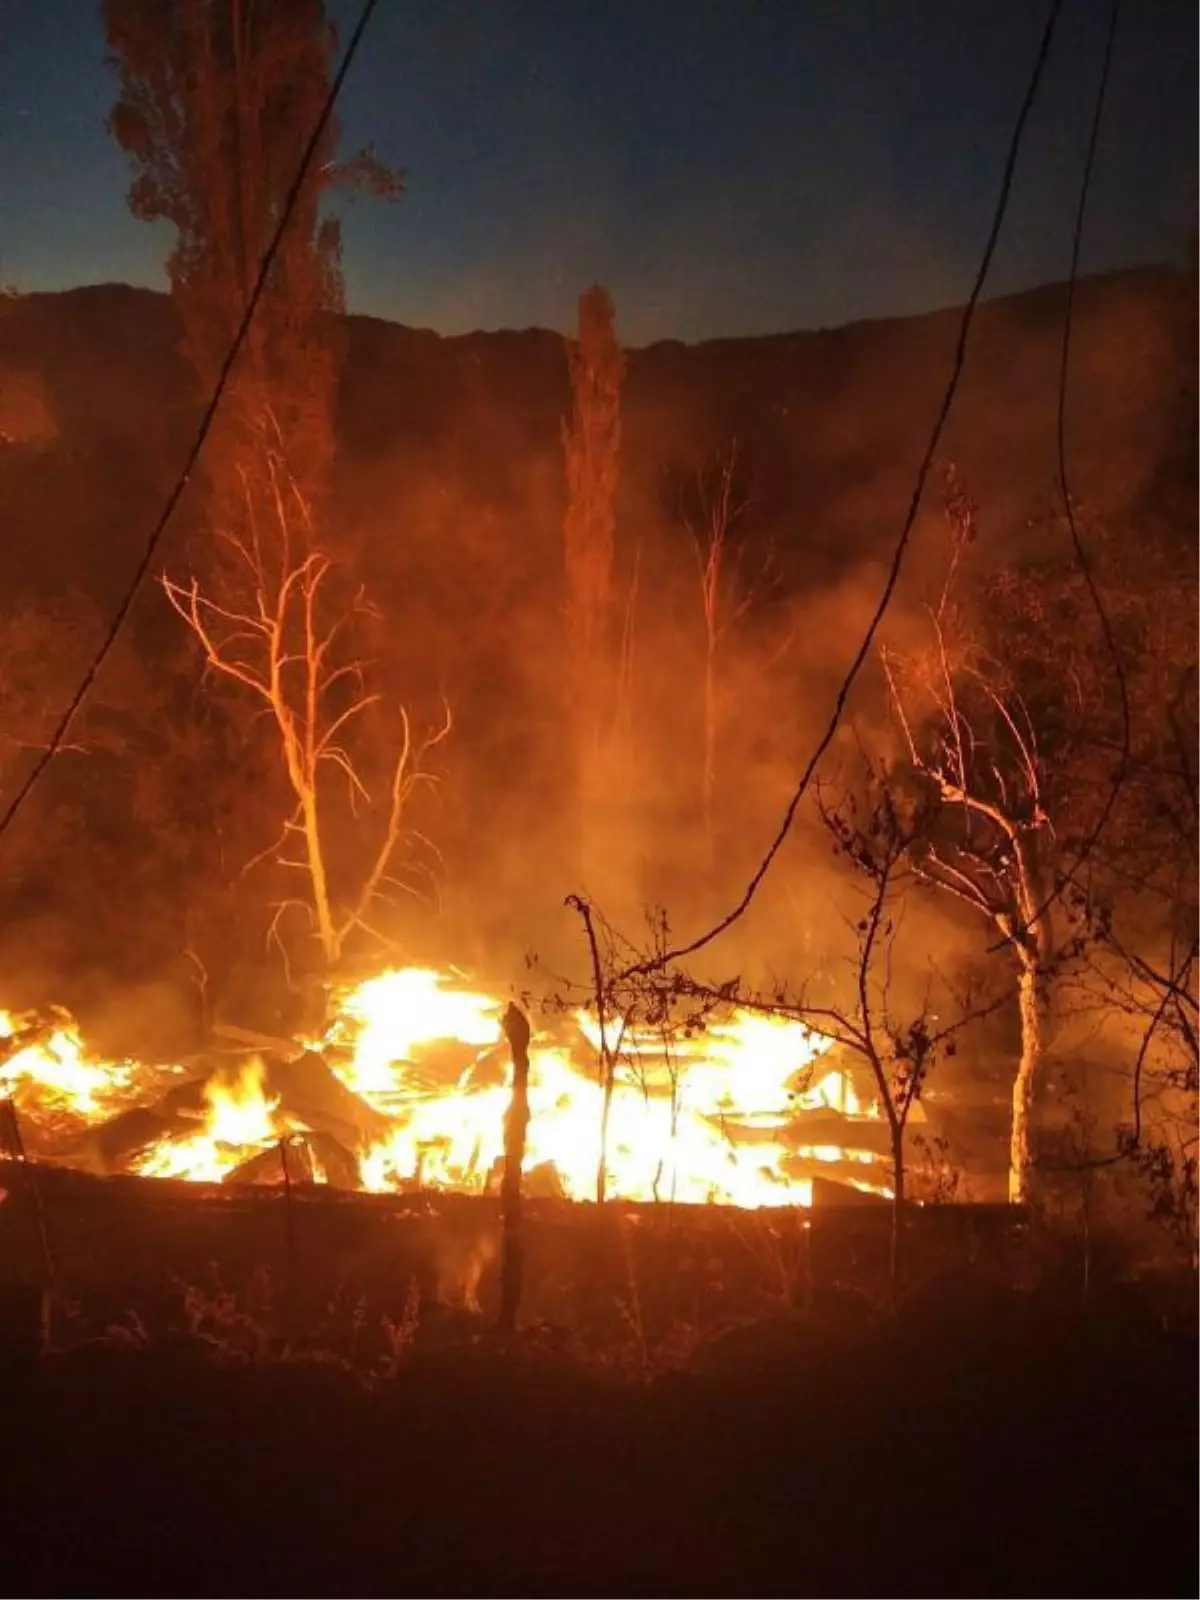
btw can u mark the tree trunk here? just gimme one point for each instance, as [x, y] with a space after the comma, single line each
[897, 1132]
[512, 1271]
[289, 1237]
[708, 784]
[609, 1068]
[1034, 947]
[1020, 1159]
[592, 447]
[608, 1064]
[316, 871]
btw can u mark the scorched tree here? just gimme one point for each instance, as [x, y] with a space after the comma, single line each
[290, 645]
[217, 101]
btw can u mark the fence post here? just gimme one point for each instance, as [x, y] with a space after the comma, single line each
[512, 1271]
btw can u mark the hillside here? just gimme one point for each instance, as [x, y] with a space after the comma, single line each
[449, 499]
[834, 419]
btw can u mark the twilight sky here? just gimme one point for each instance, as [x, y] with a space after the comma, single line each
[725, 166]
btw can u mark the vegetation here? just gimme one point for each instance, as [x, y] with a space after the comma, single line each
[1061, 811]
[991, 907]
[659, 1371]
[216, 106]
[291, 647]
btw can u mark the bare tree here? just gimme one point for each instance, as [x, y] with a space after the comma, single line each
[878, 839]
[712, 521]
[288, 647]
[1075, 837]
[663, 1004]
[592, 447]
[1160, 1003]
[899, 1048]
[973, 755]
[216, 103]
[987, 852]
[737, 577]
[1158, 983]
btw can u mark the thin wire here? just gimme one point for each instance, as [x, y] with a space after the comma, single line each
[1081, 559]
[893, 577]
[202, 433]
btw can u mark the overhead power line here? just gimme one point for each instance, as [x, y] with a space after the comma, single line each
[193, 456]
[902, 543]
[1121, 771]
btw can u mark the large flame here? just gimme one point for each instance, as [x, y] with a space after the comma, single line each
[390, 1015]
[239, 1120]
[695, 1118]
[48, 1062]
[715, 1115]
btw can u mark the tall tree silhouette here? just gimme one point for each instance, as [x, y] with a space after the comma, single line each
[216, 103]
[592, 444]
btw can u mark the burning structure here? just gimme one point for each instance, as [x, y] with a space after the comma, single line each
[409, 1088]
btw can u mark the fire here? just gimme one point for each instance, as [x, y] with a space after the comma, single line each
[711, 1116]
[697, 1119]
[239, 1120]
[389, 1015]
[47, 1065]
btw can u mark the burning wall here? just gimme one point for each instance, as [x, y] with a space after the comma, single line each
[409, 1089]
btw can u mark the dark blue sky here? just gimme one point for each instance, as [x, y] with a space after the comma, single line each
[725, 166]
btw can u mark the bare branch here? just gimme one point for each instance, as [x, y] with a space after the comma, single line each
[288, 651]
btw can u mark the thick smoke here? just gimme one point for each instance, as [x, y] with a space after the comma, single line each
[448, 511]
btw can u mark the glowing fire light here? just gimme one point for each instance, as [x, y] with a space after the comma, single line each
[686, 1122]
[53, 1067]
[390, 1014]
[711, 1116]
[239, 1120]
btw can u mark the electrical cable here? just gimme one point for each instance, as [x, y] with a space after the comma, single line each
[1121, 771]
[727, 921]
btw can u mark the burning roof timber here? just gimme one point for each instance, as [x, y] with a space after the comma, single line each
[408, 1089]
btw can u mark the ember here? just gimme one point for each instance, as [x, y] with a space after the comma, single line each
[417, 1083]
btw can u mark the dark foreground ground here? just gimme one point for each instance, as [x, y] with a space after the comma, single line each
[1004, 1449]
[245, 1396]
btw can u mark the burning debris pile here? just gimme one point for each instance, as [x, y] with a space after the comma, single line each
[409, 1088]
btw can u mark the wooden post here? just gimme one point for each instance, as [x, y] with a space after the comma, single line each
[289, 1310]
[512, 1272]
[25, 1307]
[12, 1145]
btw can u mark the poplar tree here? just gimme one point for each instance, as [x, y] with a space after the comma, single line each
[592, 446]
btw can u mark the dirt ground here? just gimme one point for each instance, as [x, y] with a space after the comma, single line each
[704, 1405]
[1010, 1452]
